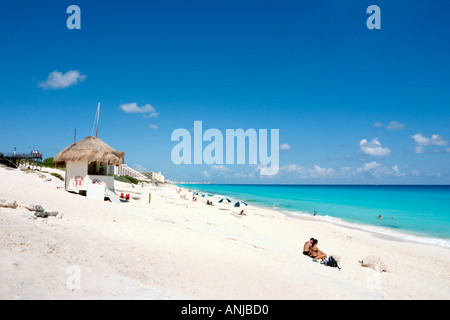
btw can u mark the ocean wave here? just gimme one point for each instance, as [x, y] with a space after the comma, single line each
[382, 231]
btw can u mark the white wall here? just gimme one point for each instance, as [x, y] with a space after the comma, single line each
[107, 180]
[76, 173]
[77, 178]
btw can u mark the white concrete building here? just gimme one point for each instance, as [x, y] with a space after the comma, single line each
[154, 177]
[124, 170]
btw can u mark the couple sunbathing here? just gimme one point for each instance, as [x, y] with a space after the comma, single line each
[310, 249]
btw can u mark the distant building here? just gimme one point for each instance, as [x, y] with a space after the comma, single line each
[124, 170]
[154, 177]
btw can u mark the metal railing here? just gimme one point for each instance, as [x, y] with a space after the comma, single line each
[21, 155]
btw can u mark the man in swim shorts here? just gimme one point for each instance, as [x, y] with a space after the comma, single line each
[307, 247]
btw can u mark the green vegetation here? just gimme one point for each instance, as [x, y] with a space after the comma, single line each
[48, 163]
[132, 180]
[57, 175]
[126, 179]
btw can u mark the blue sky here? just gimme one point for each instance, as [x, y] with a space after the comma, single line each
[353, 105]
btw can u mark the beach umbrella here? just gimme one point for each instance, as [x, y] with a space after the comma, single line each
[224, 200]
[240, 204]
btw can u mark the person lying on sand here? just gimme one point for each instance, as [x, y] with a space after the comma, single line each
[316, 253]
[307, 247]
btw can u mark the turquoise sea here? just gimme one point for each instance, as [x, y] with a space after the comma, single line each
[418, 213]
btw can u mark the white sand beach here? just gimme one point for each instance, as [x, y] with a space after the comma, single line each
[175, 248]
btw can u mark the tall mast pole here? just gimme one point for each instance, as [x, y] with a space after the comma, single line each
[98, 118]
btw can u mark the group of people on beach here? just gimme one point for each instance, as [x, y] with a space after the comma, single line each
[210, 203]
[311, 249]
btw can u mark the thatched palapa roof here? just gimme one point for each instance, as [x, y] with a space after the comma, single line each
[92, 149]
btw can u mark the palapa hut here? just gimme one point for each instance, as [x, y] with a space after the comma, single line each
[87, 163]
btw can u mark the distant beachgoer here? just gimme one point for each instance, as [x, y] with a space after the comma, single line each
[380, 217]
[315, 212]
[307, 247]
[316, 253]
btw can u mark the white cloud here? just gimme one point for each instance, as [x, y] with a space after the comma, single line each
[153, 126]
[285, 147]
[396, 172]
[421, 142]
[220, 168]
[318, 172]
[217, 171]
[371, 166]
[293, 171]
[395, 125]
[374, 169]
[304, 173]
[369, 169]
[206, 174]
[59, 80]
[148, 109]
[420, 139]
[419, 149]
[437, 140]
[242, 175]
[151, 115]
[378, 171]
[377, 124]
[373, 148]
[292, 168]
[268, 172]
